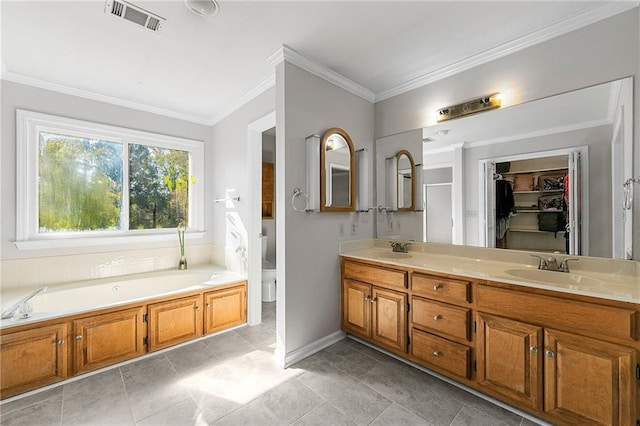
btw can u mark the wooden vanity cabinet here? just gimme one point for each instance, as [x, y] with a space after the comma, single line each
[33, 358]
[225, 308]
[509, 359]
[174, 321]
[375, 312]
[102, 340]
[554, 355]
[563, 357]
[588, 381]
[441, 323]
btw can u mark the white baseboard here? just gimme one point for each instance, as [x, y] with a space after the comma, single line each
[287, 359]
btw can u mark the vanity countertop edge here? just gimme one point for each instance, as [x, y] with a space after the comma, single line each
[611, 286]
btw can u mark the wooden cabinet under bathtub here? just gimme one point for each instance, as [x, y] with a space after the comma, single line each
[566, 358]
[37, 354]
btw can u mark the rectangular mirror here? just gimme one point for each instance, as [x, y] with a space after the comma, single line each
[599, 118]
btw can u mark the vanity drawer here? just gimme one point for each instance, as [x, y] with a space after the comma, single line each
[440, 317]
[444, 289]
[375, 275]
[581, 317]
[442, 353]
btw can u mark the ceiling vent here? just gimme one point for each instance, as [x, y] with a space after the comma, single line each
[133, 13]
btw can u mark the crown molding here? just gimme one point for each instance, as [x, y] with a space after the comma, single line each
[285, 53]
[260, 88]
[583, 19]
[54, 87]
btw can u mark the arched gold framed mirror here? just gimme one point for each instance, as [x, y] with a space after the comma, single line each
[337, 172]
[405, 181]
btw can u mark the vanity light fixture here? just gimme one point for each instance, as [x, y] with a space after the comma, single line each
[362, 180]
[483, 103]
[419, 195]
[391, 167]
[313, 172]
[204, 8]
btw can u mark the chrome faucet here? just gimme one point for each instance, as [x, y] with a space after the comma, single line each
[548, 264]
[564, 265]
[551, 264]
[8, 313]
[399, 247]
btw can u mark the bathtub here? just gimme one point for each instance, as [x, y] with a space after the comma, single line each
[84, 296]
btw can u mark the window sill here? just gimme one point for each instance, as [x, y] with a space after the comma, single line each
[104, 241]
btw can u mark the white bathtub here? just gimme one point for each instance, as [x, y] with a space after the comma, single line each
[78, 297]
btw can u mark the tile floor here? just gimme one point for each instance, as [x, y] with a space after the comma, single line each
[230, 379]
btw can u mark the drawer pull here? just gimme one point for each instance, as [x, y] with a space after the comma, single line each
[437, 287]
[437, 317]
[533, 350]
[60, 342]
[436, 354]
[550, 353]
[79, 337]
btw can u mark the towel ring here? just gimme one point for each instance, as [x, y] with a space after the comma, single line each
[296, 193]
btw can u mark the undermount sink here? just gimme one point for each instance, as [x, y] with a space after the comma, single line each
[553, 277]
[394, 255]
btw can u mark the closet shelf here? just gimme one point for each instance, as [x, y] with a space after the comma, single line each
[532, 230]
[553, 169]
[521, 210]
[549, 191]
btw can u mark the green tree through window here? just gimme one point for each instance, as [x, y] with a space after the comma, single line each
[80, 184]
[158, 187]
[81, 181]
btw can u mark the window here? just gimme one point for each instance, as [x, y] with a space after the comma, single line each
[82, 183]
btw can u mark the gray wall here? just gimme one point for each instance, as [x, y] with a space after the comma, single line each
[18, 96]
[605, 51]
[227, 169]
[307, 104]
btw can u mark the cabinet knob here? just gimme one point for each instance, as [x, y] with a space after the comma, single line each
[436, 353]
[533, 349]
[367, 298]
[79, 337]
[437, 317]
[374, 299]
[197, 308]
[208, 305]
[437, 287]
[550, 353]
[61, 342]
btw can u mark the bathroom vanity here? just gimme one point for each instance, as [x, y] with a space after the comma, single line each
[562, 347]
[41, 352]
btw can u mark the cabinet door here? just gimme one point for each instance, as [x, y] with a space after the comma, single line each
[356, 308]
[225, 308]
[389, 319]
[174, 322]
[106, 339]
[32, 358]
[509, 359]
[588, 381]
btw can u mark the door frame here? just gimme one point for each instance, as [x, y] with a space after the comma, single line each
[254, 216]
[584, 214]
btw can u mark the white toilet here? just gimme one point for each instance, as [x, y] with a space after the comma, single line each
[268, 275]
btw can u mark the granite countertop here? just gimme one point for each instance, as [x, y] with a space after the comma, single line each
[605, 285]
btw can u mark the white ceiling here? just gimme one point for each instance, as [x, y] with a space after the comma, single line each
[198, 68]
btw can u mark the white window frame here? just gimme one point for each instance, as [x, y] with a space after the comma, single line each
[29, 124]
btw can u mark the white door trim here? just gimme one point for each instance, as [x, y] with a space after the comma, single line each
[254, 226]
